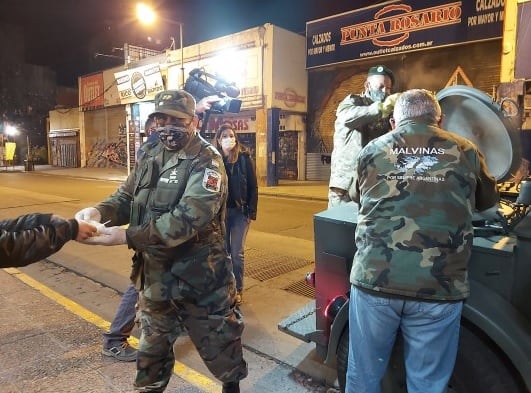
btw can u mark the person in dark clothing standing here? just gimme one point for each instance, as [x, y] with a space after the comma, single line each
[32, 237]
[242, 201]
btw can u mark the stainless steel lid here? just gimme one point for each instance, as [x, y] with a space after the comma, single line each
[476, 116]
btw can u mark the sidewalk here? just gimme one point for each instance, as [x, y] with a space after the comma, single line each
[47, 348]
[53, 344]
[313, 190]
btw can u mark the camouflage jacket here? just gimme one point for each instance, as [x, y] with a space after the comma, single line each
[418, 187]
[358, 121]
[175, 213]
[32, 237]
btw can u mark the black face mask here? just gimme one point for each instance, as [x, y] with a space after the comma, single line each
[174, 137]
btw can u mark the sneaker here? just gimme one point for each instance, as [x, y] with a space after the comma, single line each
[231, 387]
[123, 353]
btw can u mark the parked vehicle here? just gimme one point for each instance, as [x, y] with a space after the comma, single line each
[495, 341]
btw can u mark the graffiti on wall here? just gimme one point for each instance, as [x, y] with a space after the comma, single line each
[105, 154]
[287, 155]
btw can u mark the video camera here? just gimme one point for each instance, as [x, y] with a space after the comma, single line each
[199, 87]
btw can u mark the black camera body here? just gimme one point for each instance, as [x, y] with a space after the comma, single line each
[199, 87]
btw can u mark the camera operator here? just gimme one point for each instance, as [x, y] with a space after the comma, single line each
[205, 104]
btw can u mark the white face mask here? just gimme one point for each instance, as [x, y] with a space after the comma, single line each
[228, 143]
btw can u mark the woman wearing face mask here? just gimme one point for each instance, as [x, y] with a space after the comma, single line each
[242, 200]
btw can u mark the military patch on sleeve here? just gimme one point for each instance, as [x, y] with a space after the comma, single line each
[211, 180]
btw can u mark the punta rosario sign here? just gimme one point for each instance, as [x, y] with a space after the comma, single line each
[401, 26]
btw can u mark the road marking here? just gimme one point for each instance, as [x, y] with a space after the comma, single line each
[189, 375]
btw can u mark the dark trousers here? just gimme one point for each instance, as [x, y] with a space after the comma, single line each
[124, 320]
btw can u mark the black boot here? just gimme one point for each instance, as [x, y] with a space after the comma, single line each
[231, 387]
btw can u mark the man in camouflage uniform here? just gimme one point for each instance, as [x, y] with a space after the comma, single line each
[417, 189]
[174, 202]
[359, 119]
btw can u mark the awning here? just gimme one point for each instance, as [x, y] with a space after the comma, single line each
[63, 132]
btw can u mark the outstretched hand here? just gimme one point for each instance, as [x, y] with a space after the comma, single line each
[107, 236]
[85, 230]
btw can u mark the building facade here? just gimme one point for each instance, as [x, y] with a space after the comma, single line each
[290, 85]
[427, 46]
[266, 64]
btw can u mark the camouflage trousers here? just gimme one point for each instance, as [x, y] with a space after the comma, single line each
[215, 330]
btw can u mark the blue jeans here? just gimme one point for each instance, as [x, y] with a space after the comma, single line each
[124, 320]
[430, 331]
[237, 226]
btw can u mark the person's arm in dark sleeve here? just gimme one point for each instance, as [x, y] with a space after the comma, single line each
[33, 237]
[252, 187]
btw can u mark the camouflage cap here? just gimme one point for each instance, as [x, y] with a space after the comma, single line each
[381, 70]
[176, 103]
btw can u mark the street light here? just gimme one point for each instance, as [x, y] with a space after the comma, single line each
[147, 16]
[11, 131]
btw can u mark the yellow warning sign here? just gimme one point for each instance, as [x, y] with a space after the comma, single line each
[455, 80]
[10, 151]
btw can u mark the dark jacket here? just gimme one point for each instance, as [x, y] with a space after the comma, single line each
[243, 186]
[32, 237]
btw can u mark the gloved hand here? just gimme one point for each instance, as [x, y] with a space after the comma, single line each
[90, 214]
[110, 236]
[388, 105]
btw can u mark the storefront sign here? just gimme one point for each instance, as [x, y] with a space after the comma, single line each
[400, 27]
[289, 98]
[139, 84]
[239, 123]
[91, 91]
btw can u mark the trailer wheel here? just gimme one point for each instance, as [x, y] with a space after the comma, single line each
[342, 359]
[479, 369]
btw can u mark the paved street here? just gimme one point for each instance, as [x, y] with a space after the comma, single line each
[85, 275]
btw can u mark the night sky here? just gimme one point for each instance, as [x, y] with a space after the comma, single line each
[66, 34]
